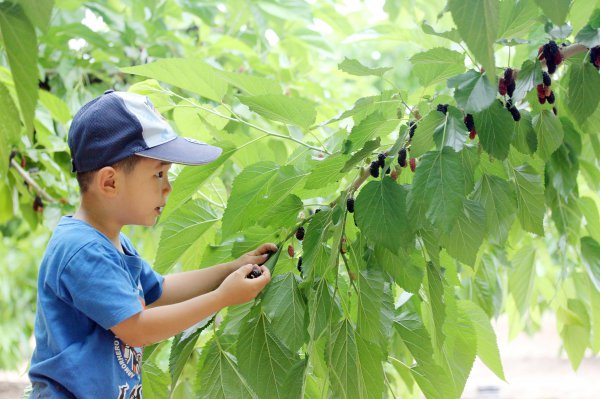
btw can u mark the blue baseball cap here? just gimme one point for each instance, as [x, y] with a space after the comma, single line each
[118, 125]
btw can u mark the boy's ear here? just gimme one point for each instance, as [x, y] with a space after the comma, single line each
[106, 181]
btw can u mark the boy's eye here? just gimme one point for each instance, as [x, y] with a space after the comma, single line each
[160, 174]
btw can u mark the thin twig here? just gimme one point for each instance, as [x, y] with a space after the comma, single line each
[29, 180]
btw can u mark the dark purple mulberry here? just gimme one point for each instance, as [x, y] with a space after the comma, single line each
[443, 108]
[515, 114]
[300, 233]
[402, 157]
[374, 168]
[350, 205]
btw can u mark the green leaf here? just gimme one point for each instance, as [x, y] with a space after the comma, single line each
[326, 172]
[38, 12]
[588, 36]
[438, 187]
[316, 251]
[549, 133]
[155, 382]
[516, 18]
[583, 97]
[453, 133]
[281, 108]
[435, 293]
[464, 240]
[592, 217]
[189, 74]
[530, 75]
[473, 91]
[375, 308]
[499, 202]
[374, 125]
[57, 107]
[361, 154]
[10, 126]
[522, 277]
[422, 141]
[524, 137]
[380, 212]
[590, 253]
[477, 22]
[21, 47]
[219, 377]
[354, 67]
[436, 65]
[263, 359]
[530, 198]
[251, 85]
[181, 230]
[322, 309]
[191, 177]
[487, 347]
[452, 34]
[406, 268]
[460, 351]
[285, 306]
[556, 10]
[182, 347]
[494, 127]
[352, 365]
[576, 335]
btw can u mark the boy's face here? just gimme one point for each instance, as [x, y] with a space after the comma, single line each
[144, 192]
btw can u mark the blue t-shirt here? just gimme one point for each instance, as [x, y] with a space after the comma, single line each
[85, 287]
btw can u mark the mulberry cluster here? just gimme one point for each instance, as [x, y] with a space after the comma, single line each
[544, 92]
[551, 53]
[594, 57]
[507, 84]
[470, 124]
[380, 163]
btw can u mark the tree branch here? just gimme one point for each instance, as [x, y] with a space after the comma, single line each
[29, 180]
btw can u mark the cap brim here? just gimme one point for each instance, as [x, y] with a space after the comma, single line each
[183, 151]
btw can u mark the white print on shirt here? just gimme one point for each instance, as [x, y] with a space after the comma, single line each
[129, 358]
[136, 392]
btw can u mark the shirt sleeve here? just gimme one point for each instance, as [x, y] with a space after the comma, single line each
[98, 285]
[152, 283]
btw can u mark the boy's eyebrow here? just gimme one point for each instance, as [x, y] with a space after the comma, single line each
[165, 163]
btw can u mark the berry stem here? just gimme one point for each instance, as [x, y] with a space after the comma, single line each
[29, 180]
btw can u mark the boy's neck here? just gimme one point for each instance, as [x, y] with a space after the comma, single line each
[110, 229]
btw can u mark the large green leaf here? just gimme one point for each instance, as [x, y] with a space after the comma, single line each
[422, 141]
[10, 127]
[453, 133]
[191, 177]
[38, 12]
[460, 352]
[477, 22]
[436, 65]
[181, 230]
[576, 332]
[556, 10]
[190, 74]
[281, 108]
[322, 309]
[549, 133]
[516, 18]
[263, 359]
[326, 172]
[354, 67]
[522, 277]
[374, 125]
[436, 303]
[285, 306]
[583, 96]
[590, 253]
[375, 308]
[530, 198]
[181, 348]
[438, 187]
[316, 251]
[21, 47]
[219, 377]
[380, 212]
[351, 365]
[406, 268]
[588, 36]
[251, 85]
[529, 76]
[466, 237]
[495, 127]
[524, 137]
[155, 382]
[487, 347]
[473, 91]
[499, 202]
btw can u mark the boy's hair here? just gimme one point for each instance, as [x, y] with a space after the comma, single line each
[127, 165]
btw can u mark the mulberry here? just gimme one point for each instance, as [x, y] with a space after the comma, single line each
[595, 56]
[254, 273]
[300, 233]
[550, 98]
[374, 168]
[299, 264]
[381, 159]
[546, 79]
[515, 113]
[402, 157]
[413, 164]
[38, 204]
[469, 122]
[443, 108]
[502, 87]
[291, 251]
[552, 56]
[412, 126]
[350, 205]
[472, 134]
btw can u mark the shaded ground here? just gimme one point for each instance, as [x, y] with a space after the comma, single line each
[532, 365]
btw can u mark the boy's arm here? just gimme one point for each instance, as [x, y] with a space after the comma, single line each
[179, 287]
[157, 324]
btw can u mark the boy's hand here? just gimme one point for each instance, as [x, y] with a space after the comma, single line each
[237, 288]
[257, 257]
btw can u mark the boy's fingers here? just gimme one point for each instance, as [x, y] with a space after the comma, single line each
[244, 270]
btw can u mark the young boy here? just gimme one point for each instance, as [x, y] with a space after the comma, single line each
[98, 302]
